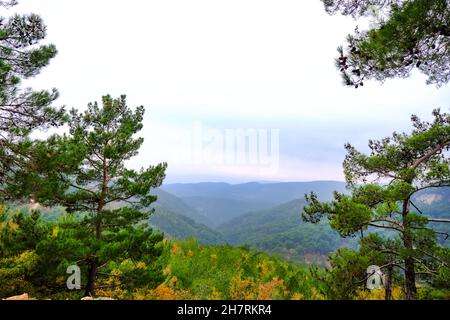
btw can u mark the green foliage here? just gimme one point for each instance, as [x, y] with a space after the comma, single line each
[278, 230]
[108, 204]
[348, 269]
[113, 198]
[21, 111]
[408, 164]
[224, 272]
[170, 202]
[179, 226]
[428, 293]
[15, 272]
[35, 254]
[405, 35]
[153, 269]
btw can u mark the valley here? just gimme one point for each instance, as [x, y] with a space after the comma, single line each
[264, 216]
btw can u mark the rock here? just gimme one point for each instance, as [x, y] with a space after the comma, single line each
[20, 297]
[97, 298]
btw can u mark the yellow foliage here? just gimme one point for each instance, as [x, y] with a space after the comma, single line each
[297, 296]
[167, 270]
[215, 295]
[172, 281]
[140, 295]
[13, 226]
[273, 289]
[379, 294]
[214, 258]
[190, 254]
[60, 280]
[162, 292]
[175, 249]
[397, 293]
[55, 231]
[166, 292]
[141, 265]
[265, 267]
[316, 295]
[113, 286]
[242, 289]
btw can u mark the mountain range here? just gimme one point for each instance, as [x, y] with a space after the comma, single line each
[266, 216]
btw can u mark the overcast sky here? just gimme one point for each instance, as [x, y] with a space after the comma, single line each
[208, 66]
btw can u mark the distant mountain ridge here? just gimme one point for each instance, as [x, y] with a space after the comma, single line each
[263, 215]
[265, 193]
[221, 210]
[266, 216]
[173, 203]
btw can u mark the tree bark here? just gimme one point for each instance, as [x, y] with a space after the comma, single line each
[94, 263]
[410, 272]
[388, 284]
[92, 275]
[410, 279]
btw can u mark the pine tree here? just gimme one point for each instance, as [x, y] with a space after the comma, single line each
[22, 110]
[383, 186]
[112, 200]
[405, 35]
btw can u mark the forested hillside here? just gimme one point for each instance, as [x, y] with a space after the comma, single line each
[220, 210]
[179, 226]
[280, 230]
[277, 229]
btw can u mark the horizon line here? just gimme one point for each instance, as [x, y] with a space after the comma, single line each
[250, 182]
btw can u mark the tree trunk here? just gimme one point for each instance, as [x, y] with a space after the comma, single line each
[92, 275]
[410, 272]
[388, 283]
[93, 266]
[410, 279]
[94, 263]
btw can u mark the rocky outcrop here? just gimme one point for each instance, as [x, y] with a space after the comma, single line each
[19, 297]
[97, 298]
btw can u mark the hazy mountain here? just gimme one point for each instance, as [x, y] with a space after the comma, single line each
[281, 230]
[254, 192]
[251, 214]
[217, 203]
[434, 199]
[176, 205]
[220, 210]
[179, 220]
[435, 202]
[181, 227]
